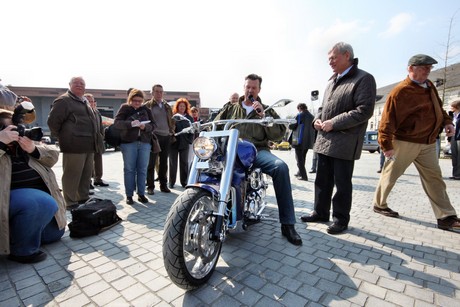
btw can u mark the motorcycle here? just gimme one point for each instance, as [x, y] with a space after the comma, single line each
[223, 192]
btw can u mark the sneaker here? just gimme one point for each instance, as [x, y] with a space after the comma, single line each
[449, 223]
[386, 211]
[129, 200]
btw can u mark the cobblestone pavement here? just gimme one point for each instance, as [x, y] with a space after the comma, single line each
[378, 262]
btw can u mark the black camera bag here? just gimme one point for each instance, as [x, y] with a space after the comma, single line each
[92, 217]
[112, 136]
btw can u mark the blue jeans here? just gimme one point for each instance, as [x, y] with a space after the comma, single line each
[32, 221]
[136, 159]
[279, 171]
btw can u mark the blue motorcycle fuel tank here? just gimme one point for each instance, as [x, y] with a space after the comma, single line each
[246, 152]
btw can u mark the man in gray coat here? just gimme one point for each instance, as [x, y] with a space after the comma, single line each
[74, 123]
[341, 122]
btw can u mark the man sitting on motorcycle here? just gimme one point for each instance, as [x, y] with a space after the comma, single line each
[250, 106]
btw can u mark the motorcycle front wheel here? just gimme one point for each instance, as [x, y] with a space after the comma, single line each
[189, 255]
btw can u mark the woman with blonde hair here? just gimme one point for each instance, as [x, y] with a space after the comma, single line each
[180, 148]
[135, 122]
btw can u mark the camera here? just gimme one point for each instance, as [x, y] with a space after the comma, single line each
[24, 112]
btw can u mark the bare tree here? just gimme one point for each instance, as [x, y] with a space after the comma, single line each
[448, 56]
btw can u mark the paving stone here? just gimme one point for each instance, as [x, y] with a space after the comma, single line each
[377, 262]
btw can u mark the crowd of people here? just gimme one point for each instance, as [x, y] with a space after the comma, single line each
[34, 207]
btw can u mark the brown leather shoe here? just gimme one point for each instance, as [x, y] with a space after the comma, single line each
[386, 211]
[449, 223]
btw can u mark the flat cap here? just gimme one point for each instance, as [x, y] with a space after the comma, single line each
[421, 59]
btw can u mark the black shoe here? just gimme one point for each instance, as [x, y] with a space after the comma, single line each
[312, 171]
[171, 186]
[291, 234]
[36, 257]
[156, 179]
[129, 200]
[449, 223]
[165, 189]
[303, 178]
[91, 187]
[314, 217]
[150, 191]
[335, 229]
[454, 178]
[90, 193]
[142, 199]
[101, 183]
[297, 174]
[386, 211]
[379, 171]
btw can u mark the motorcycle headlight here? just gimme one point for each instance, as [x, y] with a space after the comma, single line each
[204, 147]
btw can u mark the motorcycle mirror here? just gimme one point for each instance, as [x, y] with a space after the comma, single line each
[279, 103]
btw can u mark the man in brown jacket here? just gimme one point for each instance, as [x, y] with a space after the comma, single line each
[73, 121]
[411, 120]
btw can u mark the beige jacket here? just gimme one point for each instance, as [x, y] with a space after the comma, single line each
[48, 157]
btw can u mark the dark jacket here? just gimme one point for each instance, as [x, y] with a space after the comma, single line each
[308, 134]
[256, 134]
[183, 141]
[126, 114]
[349, 103]
[74, 123]
[100, 144]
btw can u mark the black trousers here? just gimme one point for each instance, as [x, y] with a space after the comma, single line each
[183, 165]
[334, 172]
[164, 142]
[301, 156]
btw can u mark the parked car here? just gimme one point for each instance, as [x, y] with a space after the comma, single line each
[371, 143]
[283, 146]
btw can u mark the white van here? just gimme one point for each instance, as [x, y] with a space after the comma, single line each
[371, 143]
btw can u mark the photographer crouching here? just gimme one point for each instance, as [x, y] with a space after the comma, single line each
[32, 209]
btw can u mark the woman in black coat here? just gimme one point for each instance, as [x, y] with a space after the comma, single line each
[180, 148]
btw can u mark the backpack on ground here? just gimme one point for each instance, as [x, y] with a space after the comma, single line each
[92, 217]
[112, 136]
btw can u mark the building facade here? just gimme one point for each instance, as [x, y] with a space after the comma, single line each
[108, 101]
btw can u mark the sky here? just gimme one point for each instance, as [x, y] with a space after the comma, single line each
[210, 46]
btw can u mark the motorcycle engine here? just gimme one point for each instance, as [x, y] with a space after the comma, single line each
[255, 194]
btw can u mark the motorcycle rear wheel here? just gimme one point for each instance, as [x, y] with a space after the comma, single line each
[189, 255]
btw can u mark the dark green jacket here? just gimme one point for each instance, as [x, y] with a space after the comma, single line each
[256, 134]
